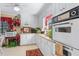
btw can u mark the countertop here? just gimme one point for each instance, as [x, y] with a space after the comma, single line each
[44, 36]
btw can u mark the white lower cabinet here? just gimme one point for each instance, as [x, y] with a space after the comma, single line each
[75, 52]
[27, 39]
[53, 50]
[44, 45]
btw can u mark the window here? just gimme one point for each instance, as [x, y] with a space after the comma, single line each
[64, 29]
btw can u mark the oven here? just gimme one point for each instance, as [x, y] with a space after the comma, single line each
[70, 51]
[62, 31]
[67, 32]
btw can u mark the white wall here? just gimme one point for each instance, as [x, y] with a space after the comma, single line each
[47, 9]
[7, 10]
[27, 18]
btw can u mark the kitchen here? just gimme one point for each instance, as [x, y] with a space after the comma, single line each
[52, 28]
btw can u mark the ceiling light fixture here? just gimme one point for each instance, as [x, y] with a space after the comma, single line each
[16, 8]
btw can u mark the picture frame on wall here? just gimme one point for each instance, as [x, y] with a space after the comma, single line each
[26, 30]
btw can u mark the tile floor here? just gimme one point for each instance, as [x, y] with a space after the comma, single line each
[19, 50]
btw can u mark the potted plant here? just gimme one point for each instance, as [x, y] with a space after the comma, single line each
[49, 33]
[38, 30]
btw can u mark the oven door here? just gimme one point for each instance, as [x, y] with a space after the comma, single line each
[67, 51]
[62, 32]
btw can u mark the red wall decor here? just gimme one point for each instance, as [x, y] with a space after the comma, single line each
[26, 29]
[11, 21]
[14, 28]
[47, 18]
[17, 22]
[8, 20]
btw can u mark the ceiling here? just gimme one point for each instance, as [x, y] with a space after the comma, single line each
[30, 8]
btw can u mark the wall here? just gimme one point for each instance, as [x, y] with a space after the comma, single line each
[7, 10]
[7, 14]
[27, 18]
[47, 10]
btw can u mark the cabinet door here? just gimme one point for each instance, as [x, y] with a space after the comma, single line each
[23, 39]
[49, 48]
[59, 49]
[53, 50]
[35, 39]
[27, 39]
[30, 38]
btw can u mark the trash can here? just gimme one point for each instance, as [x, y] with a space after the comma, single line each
[12, 43]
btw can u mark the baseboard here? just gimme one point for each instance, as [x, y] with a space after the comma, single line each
[28, 44]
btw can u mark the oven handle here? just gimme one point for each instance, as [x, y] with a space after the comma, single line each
[63, 24]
